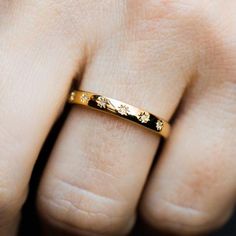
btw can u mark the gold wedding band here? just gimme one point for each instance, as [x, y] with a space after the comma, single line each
[121, 109]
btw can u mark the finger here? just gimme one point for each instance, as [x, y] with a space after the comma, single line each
[100, 163]
[192, 189]
[33, 89]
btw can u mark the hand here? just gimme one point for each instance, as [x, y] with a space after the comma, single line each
[162, 56]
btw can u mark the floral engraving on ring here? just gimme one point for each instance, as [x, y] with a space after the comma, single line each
[102, 102]
[143, 117]
[123, 110]
[159, 125]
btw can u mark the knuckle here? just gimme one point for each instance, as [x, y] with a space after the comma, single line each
[160, 28]
[83, 211]
[154, 11]
[175, 217]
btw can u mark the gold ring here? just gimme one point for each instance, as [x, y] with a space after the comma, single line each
[121, 109]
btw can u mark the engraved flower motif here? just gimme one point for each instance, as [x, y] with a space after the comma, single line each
[72, 97]
[84, 98]
[123, 110]
[102, 102]
[159, 125]
[143, 117]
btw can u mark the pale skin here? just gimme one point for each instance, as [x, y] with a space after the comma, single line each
[168, 57]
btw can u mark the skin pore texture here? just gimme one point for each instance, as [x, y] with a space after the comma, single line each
[170, 57]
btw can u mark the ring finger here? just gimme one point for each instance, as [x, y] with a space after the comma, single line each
[100, 163]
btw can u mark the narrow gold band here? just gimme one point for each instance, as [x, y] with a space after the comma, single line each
[120, 109]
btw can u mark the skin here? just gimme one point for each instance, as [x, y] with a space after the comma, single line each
[173, 58]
